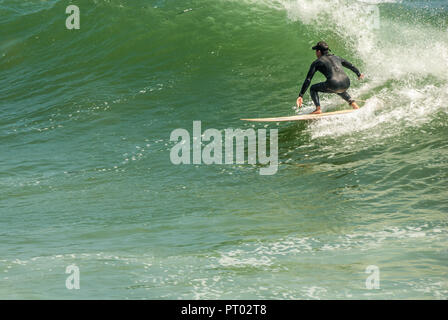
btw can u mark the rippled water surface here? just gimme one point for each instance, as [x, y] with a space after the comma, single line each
[86, 177]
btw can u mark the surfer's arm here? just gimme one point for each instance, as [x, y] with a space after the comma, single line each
[308, 79]
[348, 65]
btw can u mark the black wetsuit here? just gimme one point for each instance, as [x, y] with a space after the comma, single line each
[337, 80]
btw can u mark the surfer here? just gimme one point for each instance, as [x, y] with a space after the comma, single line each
[337, 80]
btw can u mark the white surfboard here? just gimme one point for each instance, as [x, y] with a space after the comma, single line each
[301, 116]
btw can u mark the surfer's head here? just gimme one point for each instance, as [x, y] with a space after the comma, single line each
[321, 48]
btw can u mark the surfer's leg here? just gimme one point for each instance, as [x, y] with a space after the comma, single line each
[344, 95]
[315, 88]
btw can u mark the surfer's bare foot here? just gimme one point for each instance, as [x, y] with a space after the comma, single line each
[317, 111]
[354, 105]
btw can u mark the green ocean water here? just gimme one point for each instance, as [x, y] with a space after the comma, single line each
[86, 177]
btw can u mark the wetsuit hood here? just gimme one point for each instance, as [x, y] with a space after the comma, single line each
[322, 46]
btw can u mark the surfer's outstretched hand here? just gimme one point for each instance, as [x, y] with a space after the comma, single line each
[299, 102]
[361, 77]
